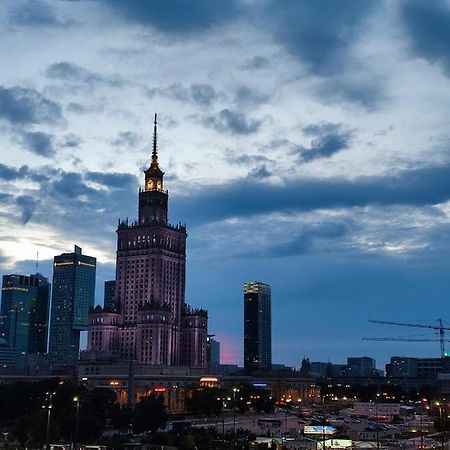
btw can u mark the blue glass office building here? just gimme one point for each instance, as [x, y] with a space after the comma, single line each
[72, 298]
[24, 312]
[257, 327]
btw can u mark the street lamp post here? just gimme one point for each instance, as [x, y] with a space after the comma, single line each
[441, 424]
[376, 420]
[421, 422]
[49, 412]
[77, 402]
[235, 389]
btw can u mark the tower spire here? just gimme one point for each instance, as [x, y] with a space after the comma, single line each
[155, 138]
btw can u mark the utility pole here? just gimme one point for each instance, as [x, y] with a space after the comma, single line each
[77, 401]
[376, 420]
[235, 389]
[49, 412]
[441, 424]
[421, 424]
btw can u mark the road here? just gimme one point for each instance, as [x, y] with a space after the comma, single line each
[250, 422]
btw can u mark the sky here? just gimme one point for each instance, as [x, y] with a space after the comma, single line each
[306, 144]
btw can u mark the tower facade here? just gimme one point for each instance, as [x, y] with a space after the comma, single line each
[150, 285]
[72, 299]
[257, 327]
[24, 312]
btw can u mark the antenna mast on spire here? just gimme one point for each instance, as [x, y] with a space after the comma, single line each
[37, 261]
[155, 138]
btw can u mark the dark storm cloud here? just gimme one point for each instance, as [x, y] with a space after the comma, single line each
[38, 142]
[419, 187]
[321, 36]
[8, 173]
[246, 96]
[71, 141]
[257, 62]
[26, 106]
[126, 139]
[177, 17]
[71, 201]
[113, 180]
[78, 108]
[330, 139]
[72, 73]
[366, 91]
[32, 13]
[428, 26]
[305, 240]
[240, 158]
[318, 33]
[203, 94]
[27, 205]
[259, 172]
[71, 185]
[232, 122]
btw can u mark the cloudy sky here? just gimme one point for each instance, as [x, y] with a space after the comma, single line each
[305, 144]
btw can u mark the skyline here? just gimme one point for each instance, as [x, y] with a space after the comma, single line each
[305, 147]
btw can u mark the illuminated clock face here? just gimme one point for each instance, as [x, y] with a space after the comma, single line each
[149, 184]
[159, 184]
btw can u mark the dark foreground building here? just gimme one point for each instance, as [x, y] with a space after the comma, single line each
[257, 327]
[72, 298]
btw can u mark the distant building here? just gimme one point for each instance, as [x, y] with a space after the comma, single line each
[361, 367]
[281, 368]
[8, 355]
[229, 369]
[407, 367]
[109, 297]
[24, 312]
[257, 327]
[72, 298]
[327, 370]
[370, 409]
[212, 354]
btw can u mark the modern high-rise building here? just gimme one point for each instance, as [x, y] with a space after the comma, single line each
[152, 323]
[257, 327]
[213, 354]
[361, 366]
[72, 299]
[24, 312]
[109, 297]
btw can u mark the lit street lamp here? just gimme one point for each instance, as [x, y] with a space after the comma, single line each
[49, 412]
[77, 402]
[441, 423]
[235, 389]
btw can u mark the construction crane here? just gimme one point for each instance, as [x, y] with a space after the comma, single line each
[439, 328]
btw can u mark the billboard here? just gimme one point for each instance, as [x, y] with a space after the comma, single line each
[319, 429]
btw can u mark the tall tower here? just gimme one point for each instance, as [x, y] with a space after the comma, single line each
[257, 327]
[152, 323]
[72, 298]
[24, 312]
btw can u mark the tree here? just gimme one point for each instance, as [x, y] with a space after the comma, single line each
[206, 401]
[149, 414]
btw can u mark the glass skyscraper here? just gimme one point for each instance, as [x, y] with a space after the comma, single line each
[109, 296]
[257, 327]
[24, 312]
[72, 298]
